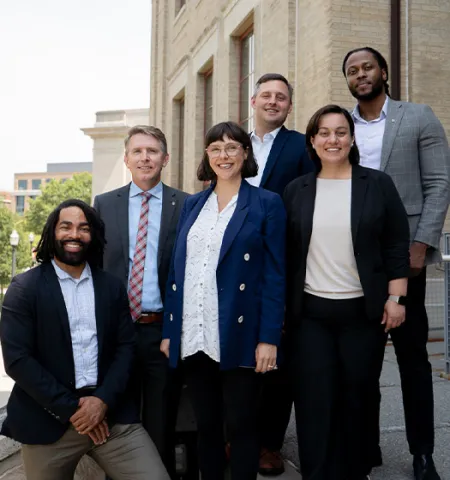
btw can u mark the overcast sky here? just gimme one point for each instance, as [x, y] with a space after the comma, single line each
[60, 63]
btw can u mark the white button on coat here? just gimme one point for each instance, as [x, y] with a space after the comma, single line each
[241, 319]
[247, 257]
[171, 317]
[174, 287]
[242, 287]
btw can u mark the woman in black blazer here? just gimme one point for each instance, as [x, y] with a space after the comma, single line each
[348, 262]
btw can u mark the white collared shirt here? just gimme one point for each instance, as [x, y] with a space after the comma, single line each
[200, 332]
[369, 137]
[261, 151]
[79, 298]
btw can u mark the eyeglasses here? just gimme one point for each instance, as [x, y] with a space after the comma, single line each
[231, 150]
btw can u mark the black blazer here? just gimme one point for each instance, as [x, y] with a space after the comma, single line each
[287, 160]
[37, 352]
[380, 234]
[113, 209]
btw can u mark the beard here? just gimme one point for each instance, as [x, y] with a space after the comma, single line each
[74, 259]
[377, 90]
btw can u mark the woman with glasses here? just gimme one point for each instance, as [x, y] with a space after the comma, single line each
[225, 301]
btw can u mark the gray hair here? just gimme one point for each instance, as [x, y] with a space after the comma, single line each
[150, 131]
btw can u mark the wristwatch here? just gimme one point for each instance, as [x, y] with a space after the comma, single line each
[400, 299]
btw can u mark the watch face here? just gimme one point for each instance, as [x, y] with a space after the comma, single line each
[402, 300]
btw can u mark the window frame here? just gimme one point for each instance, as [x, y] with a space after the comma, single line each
[248, 77]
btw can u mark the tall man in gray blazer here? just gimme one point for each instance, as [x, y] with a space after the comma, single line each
[141, 221]
[408, 142]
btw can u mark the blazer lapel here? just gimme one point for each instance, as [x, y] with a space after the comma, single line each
[54, 289]
[169, 205]
[236, 220]
[307, 202]
[101, 306]
[359, 187]
[394, 116]
[275, 151]
[122, 220]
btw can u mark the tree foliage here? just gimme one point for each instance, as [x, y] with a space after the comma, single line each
[55, 192]
[9, 222]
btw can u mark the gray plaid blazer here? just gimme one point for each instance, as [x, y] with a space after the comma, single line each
[416, 155]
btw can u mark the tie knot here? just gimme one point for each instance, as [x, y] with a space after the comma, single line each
[146, 196]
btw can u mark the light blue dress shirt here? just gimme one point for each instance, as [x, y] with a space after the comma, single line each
[151, 296]
[79, 298]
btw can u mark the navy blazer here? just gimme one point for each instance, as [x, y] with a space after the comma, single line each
[37, 351]
[287, 160]
[253, 254]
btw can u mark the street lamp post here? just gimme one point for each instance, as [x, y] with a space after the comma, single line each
[31, 239]
[14, 241]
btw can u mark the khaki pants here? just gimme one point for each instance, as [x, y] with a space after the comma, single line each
[129, 454]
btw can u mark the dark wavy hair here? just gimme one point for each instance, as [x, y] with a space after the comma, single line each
[234, 132]
[378, 57]
[313, 128]
[45, 250]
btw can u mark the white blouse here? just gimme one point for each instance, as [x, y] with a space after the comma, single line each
[200, 331]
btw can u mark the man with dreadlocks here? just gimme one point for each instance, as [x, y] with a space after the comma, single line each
[68, 343]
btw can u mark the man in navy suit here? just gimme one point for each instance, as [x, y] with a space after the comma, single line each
[68, 344]
[281, 156]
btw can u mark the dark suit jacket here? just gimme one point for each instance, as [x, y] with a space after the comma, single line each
[288, 159]
[113, 209]
[380, 236]
[250, 276]
[37, 351]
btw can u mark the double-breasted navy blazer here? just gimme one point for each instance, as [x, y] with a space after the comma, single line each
[252, 254]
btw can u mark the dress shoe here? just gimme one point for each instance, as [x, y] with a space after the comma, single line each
[271, 464]
[424, 468]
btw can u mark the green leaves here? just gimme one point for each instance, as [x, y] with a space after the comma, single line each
[55, 192]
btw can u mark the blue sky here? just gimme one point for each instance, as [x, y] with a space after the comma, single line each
[60, 63]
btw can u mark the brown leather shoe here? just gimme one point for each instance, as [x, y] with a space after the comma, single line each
[271, 464]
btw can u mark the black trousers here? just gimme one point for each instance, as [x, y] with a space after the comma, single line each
[333, 363]
[158, 389]
[220, 397]
[275, 405]
[410, 343]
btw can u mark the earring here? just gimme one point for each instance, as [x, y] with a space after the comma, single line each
[313, 147]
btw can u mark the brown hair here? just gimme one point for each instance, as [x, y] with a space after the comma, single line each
[313, 128]
[233, 131]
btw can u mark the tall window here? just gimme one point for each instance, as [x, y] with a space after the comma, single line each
[22, 184]
[36, 184]
[208, 105]
[178, 140]
[20, 204]
[246, 79]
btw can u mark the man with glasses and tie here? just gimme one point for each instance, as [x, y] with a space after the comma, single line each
[141, 220]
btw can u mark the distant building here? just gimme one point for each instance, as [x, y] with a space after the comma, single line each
[29, 185]
[6, 199]
[110, 129]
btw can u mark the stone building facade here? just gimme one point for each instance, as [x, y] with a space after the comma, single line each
[207, 54]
